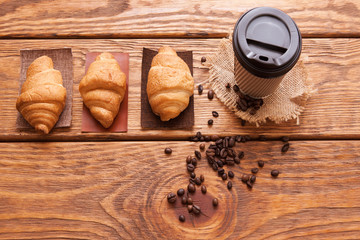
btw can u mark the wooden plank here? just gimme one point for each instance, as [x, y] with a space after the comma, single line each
[332, 64]
[154, 19]
[96, 190]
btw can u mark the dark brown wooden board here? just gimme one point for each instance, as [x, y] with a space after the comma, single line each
[149, 120]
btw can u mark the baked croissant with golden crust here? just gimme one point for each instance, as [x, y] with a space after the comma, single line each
[103, 88]
[170, 84]
[43, 96]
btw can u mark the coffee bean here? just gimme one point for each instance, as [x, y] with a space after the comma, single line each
[245, 178]
[192, 175]
[202, 139]
[191, 188]
[190, 208]
[285, 148]
[249, 184]
[194, 139]
[232, 142]
[197, 181]
[202, 178]
[254, 170]
[214, 138]
[207, 138]
[223, 153]
[231, 174]
[197, 154]
[285, 139]
[196, 209]
[217, 151]
[188, 159]
[262, 138]
[180, 192]
[189, 201]
[219, 142]
[229, 185]
[228, 86]
[182, 218]
[241, 155]
[202, 146]
[253, 111]
[171, 197]
[237, 160]
[215, 114]
[215, 166]
[203, 59]
[252, 178]
[200, 89]
[219, 163]
[224, 176]
[215, 202]
[221, 171]
[261, 163]
[192, 181]
[236, 88]
[210, 94]
[168, 150]
[241, 106]
[203, 189]
[243, 122]
[194, 162]
[238, 138]
[184, 200]
[275, 173]
[198, 135]
[190, 167]
[230, 161]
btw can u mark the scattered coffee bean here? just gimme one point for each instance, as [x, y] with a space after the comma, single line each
[229, 185]
[254, 170]
[180, 192]
[275, 173]
[241, 155]
[198, 135]
[215, 202]
[189, 201]
[285, 139]
[261, 163]
[203, 189]
[285, 148]
[221, 171]
[182, 218]
[228, 86]
[171, 197]
[188, 159]
[210, 122]
[252, 178]
[215, 113]
[203, 59]
[191, 188]
[197, 154]
[207, 138]
[236, 88]
[214, 138]
[224, 176]
[197, 181]
[231, 142]
[192, 181]
[196, 209]
[210, 94]
[168, 150]
[192, 175]
[184, 200]
[190, 208]
[249, 184]
[202, 178]
[194, 162]
[190, 167]
[200, 89]
[237, 160]
[219, 163]
[202, 146]
[231, 174]
[245, 178]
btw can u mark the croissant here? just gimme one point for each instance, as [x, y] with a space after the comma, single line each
[170, 84]
[43, 96]
[103, 88]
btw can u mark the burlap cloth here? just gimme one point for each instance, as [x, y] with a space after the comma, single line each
[287, 102]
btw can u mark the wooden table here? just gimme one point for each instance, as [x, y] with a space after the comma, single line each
[74, 185]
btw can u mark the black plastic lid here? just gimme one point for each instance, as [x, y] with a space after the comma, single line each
[266, 42]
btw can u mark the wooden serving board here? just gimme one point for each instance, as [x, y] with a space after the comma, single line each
[333, 112]
[99, 190]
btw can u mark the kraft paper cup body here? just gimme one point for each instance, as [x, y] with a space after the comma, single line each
[267, 44]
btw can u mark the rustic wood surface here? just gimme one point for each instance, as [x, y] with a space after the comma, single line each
[332, 65]
[197, 18]
[100, 190]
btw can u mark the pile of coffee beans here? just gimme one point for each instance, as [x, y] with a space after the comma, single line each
[246, 102]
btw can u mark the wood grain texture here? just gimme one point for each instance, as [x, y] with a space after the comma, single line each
[96, 190]
[333, 112]
[161, 18]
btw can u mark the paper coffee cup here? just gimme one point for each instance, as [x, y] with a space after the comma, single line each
[267, 44]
